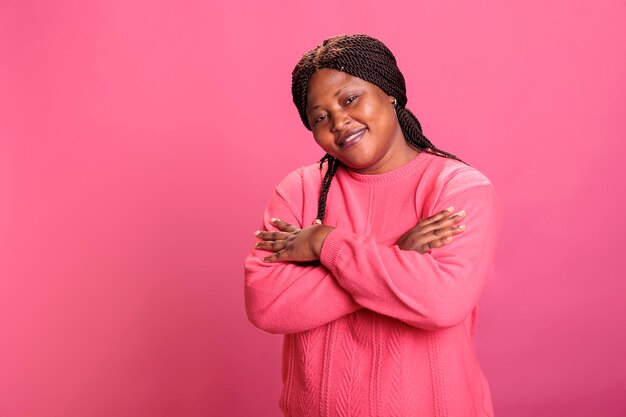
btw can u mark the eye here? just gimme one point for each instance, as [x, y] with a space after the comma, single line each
[351, 99]
[319, 119]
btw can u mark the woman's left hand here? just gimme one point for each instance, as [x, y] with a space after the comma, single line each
[291, 244]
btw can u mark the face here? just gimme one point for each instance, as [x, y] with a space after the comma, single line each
[355, 122]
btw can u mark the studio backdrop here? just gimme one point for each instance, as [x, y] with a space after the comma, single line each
[141, 140]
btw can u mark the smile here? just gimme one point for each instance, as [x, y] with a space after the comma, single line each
[351, 139]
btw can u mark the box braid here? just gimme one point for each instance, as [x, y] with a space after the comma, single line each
[369, 59]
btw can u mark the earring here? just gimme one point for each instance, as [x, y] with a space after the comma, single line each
[395, 103]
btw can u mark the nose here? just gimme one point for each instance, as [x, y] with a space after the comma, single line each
[340, 120]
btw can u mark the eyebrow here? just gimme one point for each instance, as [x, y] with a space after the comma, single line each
[334, 95]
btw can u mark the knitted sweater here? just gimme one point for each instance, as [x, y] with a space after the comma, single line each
[370, 329]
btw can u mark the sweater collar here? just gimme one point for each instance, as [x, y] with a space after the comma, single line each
[392, 175]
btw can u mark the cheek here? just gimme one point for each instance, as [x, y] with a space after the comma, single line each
[375, 114]
[369, 111]
[383, 125]
[323, 140]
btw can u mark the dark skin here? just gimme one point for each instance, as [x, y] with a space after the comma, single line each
[292, 244]
[339, 104]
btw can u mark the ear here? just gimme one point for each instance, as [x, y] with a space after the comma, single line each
[391, 99]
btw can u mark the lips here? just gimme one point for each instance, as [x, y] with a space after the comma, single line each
[351, 138]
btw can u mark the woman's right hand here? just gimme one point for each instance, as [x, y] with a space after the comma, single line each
[433, 232]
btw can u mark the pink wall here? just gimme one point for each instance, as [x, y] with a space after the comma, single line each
[140, 140]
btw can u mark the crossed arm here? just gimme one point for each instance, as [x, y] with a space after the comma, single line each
[299, 277]
[305, 287]
[292, 244]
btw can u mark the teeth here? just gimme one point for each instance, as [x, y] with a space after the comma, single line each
[351, 137]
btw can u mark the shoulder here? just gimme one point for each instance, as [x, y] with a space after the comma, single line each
[446, 180]
[299, 191]
[452, 176]
[298, 178]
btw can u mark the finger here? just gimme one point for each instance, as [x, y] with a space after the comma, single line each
[448, 231]
[317, 221]
[267, 235]
[441, 215]
[272, 245]
[425, 242]
[284, 226]
[457, 229]
[442, 223]
[439, 234]
[440, 242]
[277, 257]
[427, 247]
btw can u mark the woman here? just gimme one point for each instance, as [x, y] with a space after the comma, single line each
[362, 264]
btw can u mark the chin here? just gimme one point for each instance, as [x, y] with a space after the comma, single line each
[359, 161]
[357, 165]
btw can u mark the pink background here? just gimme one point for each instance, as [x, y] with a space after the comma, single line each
[140, 141]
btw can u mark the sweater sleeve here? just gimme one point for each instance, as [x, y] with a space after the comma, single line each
[432, 290]
[291, 297]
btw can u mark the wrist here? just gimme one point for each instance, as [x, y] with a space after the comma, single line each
[320, 236]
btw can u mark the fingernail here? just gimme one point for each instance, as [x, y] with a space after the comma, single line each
[461, 226]
[449, 238]
[274, 219]
[449, 209]
[460, 213]
[257, 233]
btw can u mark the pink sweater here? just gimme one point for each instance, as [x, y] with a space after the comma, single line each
[372, 330]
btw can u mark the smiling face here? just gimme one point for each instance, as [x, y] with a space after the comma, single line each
[354, 121]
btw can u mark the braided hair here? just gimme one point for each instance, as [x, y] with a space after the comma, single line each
[369, 59]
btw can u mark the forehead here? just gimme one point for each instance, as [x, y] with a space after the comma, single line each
[326, 83]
